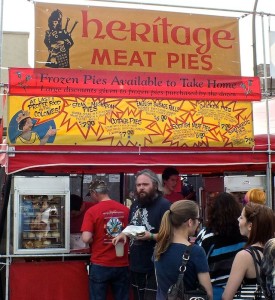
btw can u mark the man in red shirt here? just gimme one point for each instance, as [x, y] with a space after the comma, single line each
[170, 179]
[101, 224]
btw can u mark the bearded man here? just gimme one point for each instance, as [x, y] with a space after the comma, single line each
[146, 211]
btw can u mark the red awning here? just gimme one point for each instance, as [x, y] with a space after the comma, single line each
[87, 159]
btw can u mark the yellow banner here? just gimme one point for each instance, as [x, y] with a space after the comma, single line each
[102, 38]
[129, 122]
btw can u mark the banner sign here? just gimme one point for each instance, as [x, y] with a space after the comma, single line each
[40, 120]
[123, 39]
[87, 83]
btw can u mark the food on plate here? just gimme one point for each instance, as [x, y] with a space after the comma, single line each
[134, 231]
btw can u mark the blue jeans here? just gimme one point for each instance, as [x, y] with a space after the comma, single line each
[217, 292]
[101, 278]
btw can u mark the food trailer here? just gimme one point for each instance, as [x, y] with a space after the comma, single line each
[35, 171]
[68, 123]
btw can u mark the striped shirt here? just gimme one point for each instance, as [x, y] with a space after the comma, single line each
[221, 252]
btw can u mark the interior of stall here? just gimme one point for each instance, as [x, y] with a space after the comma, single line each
[204, 171]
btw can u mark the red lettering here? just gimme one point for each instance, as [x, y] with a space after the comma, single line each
[185, 36]
[206, 60]
[202, 34]
[85, 23]
[161, 32]
[101, 57]
[223, 35]
[193, 62]
[189, 61]
[120, 55]
[122, 58]
[111, 29]
[140, 30]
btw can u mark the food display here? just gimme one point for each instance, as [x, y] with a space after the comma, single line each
[42, 221]
[40, 212]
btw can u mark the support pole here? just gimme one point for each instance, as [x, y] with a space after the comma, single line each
[269, 164]
[254, 38]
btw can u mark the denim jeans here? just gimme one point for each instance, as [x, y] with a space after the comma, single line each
[101, 278]
[217, 292]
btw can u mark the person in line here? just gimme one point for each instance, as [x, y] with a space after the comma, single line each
[170, 179]
[257, 223]
[177, 225]
[130, 199]
[101, 223]
[267, 270]
[146, 211]
[78, 208]
[187, 191]
[221, 239]
[255, 196]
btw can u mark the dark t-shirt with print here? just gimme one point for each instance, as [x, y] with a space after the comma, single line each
[141, 252]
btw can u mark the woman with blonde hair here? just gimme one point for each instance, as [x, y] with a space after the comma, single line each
[257, 223]
[177, 225]
[255, 196]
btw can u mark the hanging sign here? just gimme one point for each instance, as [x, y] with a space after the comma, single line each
[40, 120]
[88, 83]
[124, 39]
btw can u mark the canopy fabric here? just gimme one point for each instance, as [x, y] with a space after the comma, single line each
[84, 159]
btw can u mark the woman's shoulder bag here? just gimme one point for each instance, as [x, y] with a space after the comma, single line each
[177, 291]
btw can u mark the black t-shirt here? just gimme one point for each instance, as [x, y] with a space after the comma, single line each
[141, 252]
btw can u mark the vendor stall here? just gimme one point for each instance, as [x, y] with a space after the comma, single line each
[130, 111]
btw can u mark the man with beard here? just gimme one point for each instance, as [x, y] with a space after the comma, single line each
[146, 211]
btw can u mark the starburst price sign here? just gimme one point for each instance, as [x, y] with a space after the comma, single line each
[134, 122]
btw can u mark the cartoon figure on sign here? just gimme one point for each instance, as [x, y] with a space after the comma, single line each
[58, 41]
[27, 135]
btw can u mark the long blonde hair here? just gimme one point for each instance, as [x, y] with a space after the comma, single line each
[179, 212]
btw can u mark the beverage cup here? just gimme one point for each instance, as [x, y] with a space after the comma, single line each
[119, 249]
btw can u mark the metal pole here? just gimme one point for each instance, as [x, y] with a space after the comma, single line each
[1, 35]
[269, 165]
[254, 38]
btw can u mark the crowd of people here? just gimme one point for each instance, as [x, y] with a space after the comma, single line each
[221, 259]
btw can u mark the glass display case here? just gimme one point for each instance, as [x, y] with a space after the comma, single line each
[41, 215]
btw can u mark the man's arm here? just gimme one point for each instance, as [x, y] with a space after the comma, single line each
[87, 237]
